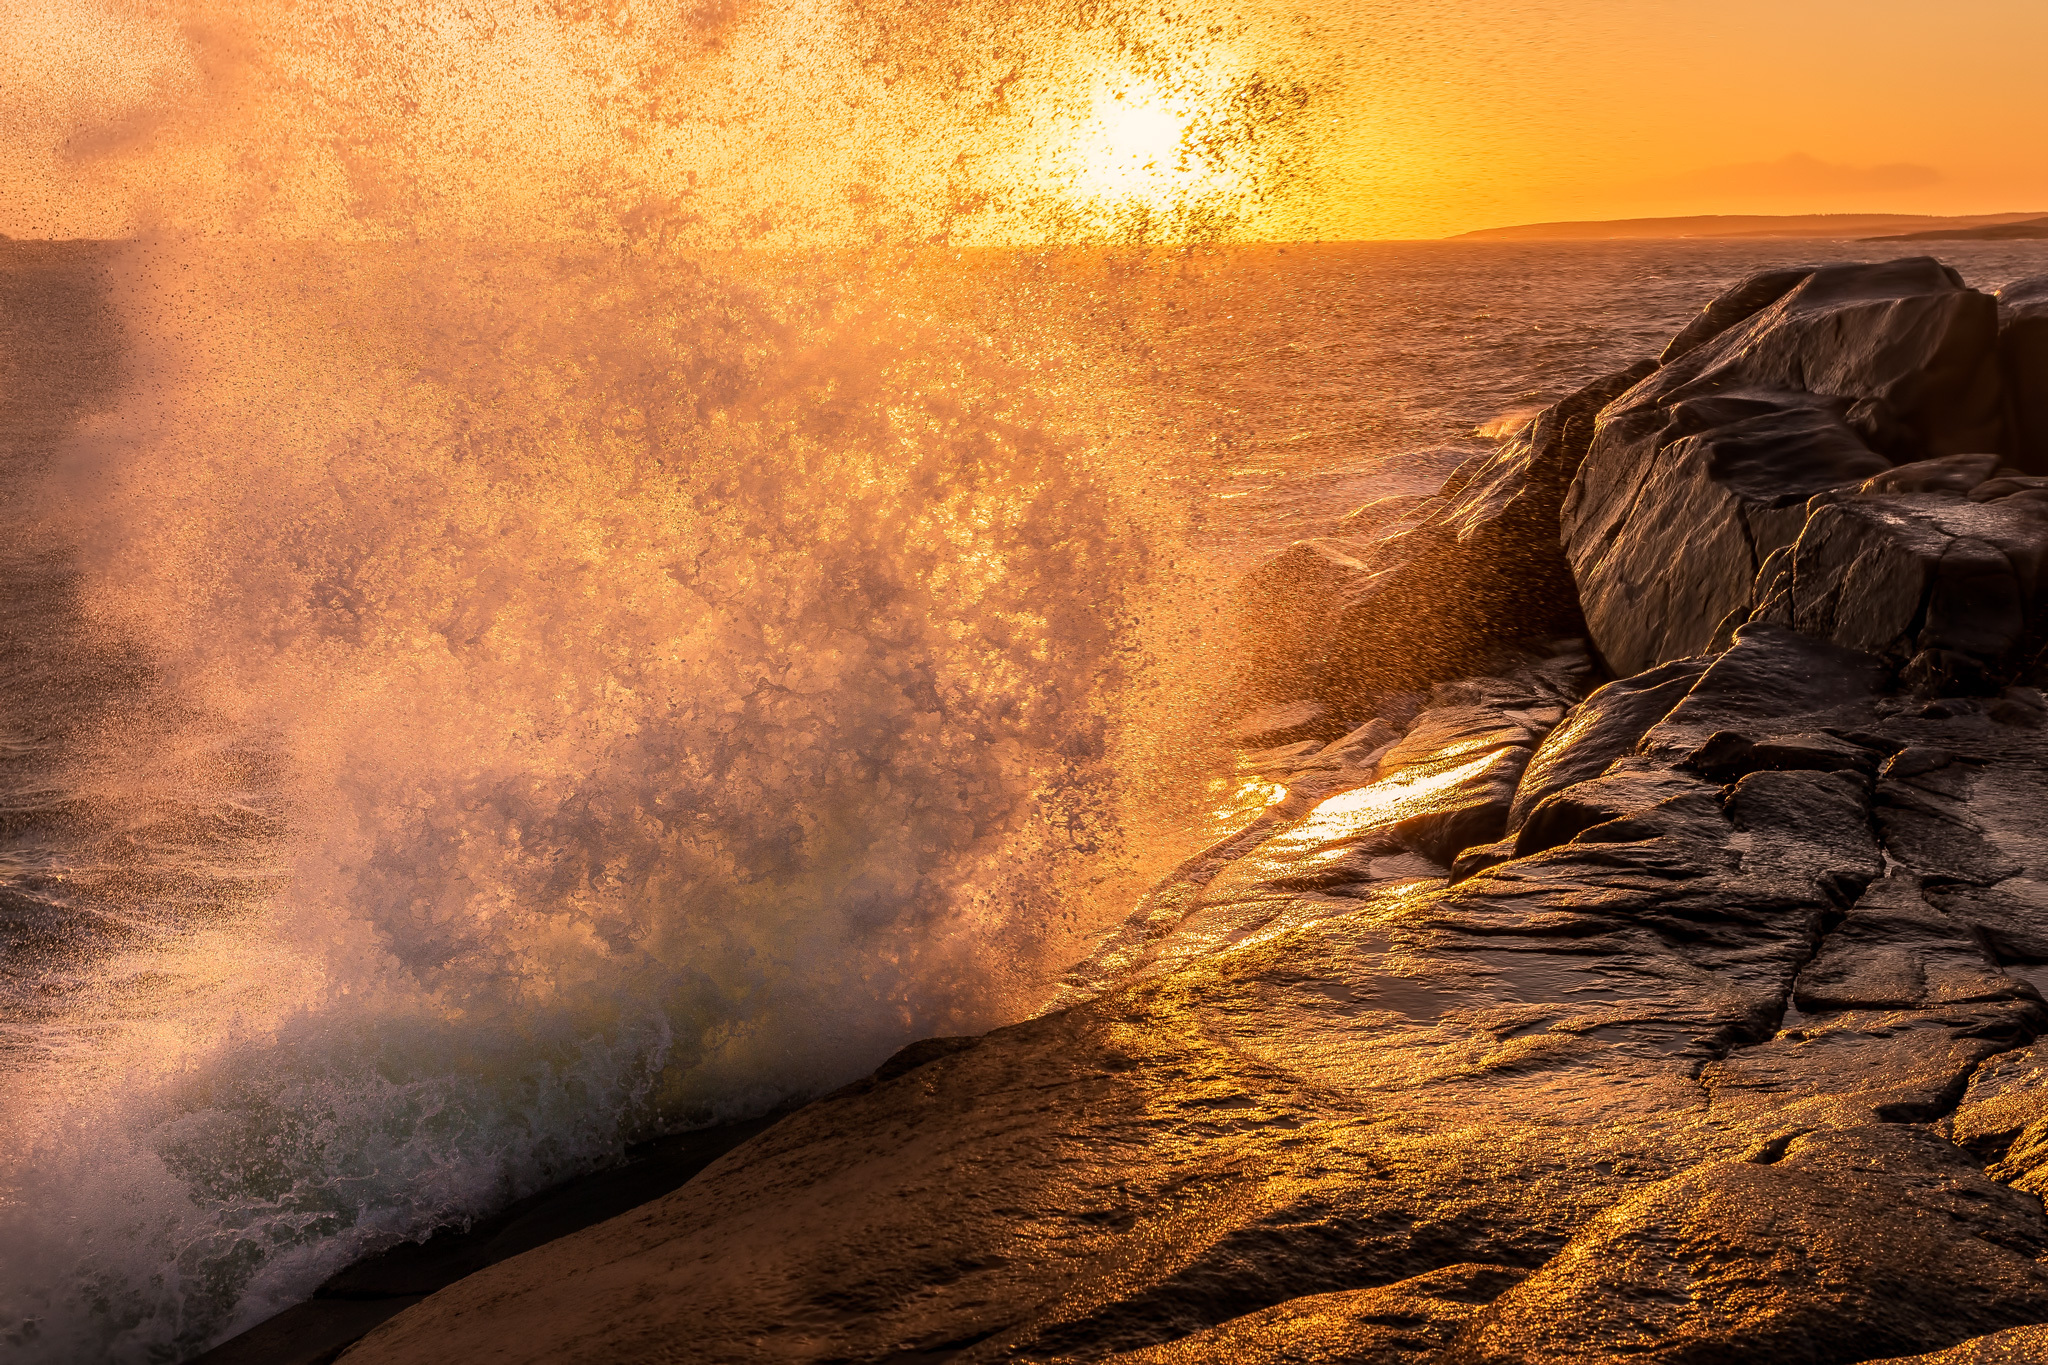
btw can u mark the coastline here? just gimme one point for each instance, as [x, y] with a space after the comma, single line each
[1531, 979]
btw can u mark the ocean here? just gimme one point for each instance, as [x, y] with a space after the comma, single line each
[468, 709]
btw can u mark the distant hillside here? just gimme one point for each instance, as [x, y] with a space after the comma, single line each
[1744, 225]
[2030, 229]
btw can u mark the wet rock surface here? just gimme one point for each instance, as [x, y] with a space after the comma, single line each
[1672, 999]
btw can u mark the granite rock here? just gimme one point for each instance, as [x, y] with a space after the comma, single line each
[2023, 359]
[1434, 595]
[1698, 475]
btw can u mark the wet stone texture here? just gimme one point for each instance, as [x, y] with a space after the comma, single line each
[1670, 995]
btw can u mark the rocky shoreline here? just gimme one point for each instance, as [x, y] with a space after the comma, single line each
[1645, 961]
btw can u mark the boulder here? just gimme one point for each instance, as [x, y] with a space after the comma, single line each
[1668, 533]
[2023, 359]
[1698, 474]
[1739, 304]
[1932, 580]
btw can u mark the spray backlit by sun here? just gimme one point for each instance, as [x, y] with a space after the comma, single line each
[1138, 148]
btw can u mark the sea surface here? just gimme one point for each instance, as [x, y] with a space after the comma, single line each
[465, 710]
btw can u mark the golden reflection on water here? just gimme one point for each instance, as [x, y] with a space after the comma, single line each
[1385, 801]
[1238, 803]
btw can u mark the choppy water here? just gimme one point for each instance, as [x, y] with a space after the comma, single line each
[465, 711]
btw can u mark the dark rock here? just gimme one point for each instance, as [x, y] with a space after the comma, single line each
[1896, 951]
[1700, 472]
[1600, 730]
[1937, 832]
[1479, 857]
[1913, 761]
[1946, 474]
[1771, 675]
[1667, 532]
[1727, 755]
[1901, 575]
[1613, 803]
[2009, 917]
[2023, 359]
[1739, 304]
[2030, 486]
[1351, 620]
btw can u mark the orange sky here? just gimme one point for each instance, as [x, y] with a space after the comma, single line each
[1513, 112]
[882, 117]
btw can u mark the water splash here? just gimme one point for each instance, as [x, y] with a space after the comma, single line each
[681, 681]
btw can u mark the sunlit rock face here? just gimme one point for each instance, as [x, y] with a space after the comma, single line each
[1689, 1018]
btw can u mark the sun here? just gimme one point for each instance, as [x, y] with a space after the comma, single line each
[1137, 144]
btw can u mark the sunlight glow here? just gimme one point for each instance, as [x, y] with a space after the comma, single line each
[1139, 145]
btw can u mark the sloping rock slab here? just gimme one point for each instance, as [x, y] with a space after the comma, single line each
[1852, 1242]
[1591, 1063]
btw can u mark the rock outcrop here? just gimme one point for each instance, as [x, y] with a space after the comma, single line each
[1832, 460]
[1689, 1019]
[1434, 588]
[2023, 358]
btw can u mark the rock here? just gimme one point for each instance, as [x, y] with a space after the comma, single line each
[1350, 620]
[1669, 531]
[1855, 1242]
[2030, 487]
[1947, 474]
[2023, 360]
[1479, 857]
[1260, 1142]
[1896, 951]
[1739, 304]
[1907, 575]
[1600, 730]
[1699, 473]
[1390, 1325]
[1694, 1021]
[2016, 1346]
[1726, 755]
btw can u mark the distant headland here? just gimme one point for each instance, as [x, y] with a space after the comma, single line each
[1819, 225]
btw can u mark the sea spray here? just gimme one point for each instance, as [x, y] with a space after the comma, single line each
[680, 681]
[589, 612]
